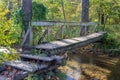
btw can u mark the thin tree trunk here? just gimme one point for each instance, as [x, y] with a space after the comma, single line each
[63, 10]
[10, 6]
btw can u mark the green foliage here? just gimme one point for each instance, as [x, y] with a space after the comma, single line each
[8, 34]
[111, 39]
[62, 76]
[7, 57]
[39, 11]
[17, 17]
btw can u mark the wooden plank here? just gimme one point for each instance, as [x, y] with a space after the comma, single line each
[67, 44]
[52, 23]
[31, 67]
[43, 58]
[37, 57]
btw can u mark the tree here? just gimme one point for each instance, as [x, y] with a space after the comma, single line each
[85, 15]
[27, 17]
[85, 11]
[26, 13]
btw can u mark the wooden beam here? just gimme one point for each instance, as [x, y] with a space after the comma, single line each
[42, 58]
[22, 65]
[47, 23]
[36, 57]
[25, 38]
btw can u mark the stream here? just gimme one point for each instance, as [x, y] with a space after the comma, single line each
[85, 65]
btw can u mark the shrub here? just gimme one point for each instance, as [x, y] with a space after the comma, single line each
[8, 34]
[111, 39]
[8, 57]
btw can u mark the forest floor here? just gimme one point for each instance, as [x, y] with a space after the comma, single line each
[86, 65]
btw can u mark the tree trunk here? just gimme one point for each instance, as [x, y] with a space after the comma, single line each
[27, 17]
[102, 18]
[26, 13]
[85, 16]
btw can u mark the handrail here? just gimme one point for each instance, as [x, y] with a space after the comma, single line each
[52, 23]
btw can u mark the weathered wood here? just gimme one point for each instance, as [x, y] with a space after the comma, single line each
[42, 37]
[31, 36]
[47, 23]
[25, 37]
[43, 58]
[31, 67]
[67, 44]
[62, 31]
[36, 57]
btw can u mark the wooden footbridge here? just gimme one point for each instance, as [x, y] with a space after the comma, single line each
[61, 37]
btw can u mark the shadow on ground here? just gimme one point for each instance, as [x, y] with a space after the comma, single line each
[115, 72]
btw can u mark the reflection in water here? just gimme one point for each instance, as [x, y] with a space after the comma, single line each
[72, 68]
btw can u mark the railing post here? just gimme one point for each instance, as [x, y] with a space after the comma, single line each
[48, 32]
[62, 31]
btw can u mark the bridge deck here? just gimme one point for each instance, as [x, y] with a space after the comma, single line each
[71, 43]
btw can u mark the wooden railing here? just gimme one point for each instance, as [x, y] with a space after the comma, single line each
[45, 31]
[53, 23]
